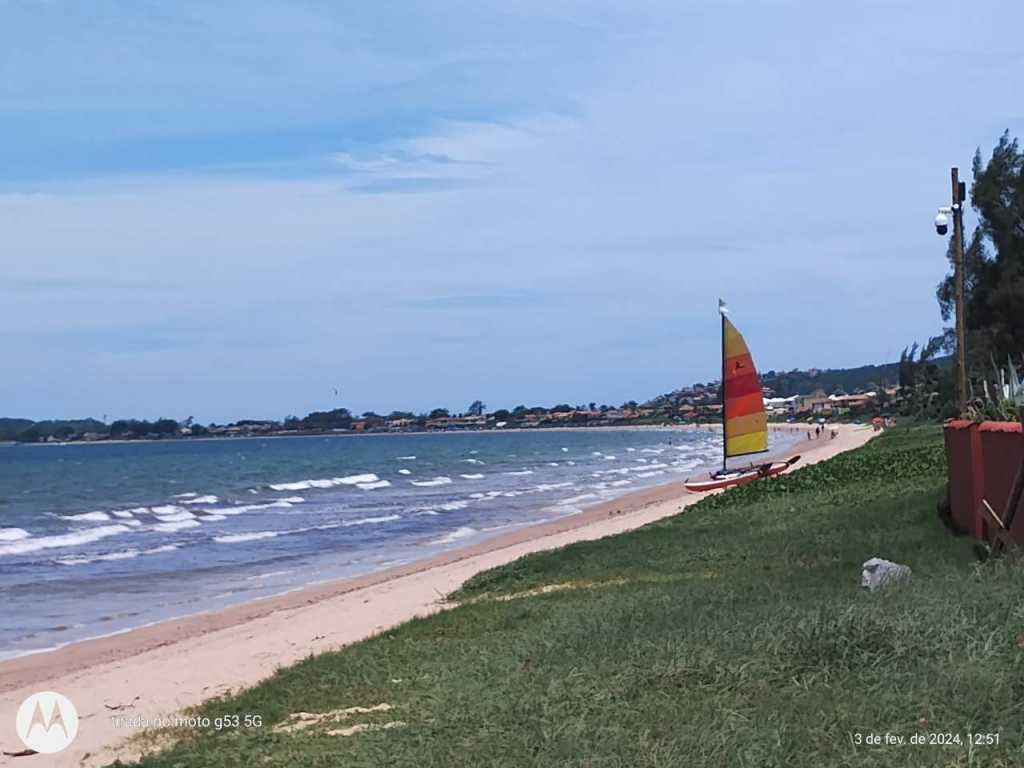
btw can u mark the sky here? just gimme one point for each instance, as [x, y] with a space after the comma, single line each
[232, 209]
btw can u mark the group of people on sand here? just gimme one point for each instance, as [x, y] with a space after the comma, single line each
[821, 429]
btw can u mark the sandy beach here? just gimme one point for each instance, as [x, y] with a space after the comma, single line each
[155, 671]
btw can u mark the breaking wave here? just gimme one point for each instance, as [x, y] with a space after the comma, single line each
[13, 534]
[459, 533]
[431, 483]
[73, 539]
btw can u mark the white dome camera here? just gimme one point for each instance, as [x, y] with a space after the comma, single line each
[942, 223]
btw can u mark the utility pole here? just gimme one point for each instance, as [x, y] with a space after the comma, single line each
[959, 194]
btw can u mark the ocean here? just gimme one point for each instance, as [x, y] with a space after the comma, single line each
[97, 539]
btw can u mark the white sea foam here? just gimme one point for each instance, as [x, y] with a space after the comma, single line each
[451, 506]
[202, 500]
[373, 485]
[552, 463]
[191, 495]
[213, 518]
[237, 538]
[158, 550]
[176, 517]
[597, 453]
[475, 476]
[652, 450]
[179, 525]
[473, 461]
[621, 482]
[405, 458]
[13, 534]
[91, 517]
[431, 483]
[610, 458]
[405, 472]
[127, 554]
[368, 477]
[631, 450]
[520, 472]
[571, 463]
[459, 533]
[167, 509]
[243, 508]
[371, 520]
[545, 487]
[73, 539]
[124, 514]
[430, 512]
[651, 474]
[304, 485]
[565, 450]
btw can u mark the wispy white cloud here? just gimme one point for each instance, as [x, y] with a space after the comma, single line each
[585, 177]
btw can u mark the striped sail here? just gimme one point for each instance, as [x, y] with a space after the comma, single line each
[746, 424]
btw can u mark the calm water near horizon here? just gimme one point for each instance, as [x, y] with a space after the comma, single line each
[96, 539]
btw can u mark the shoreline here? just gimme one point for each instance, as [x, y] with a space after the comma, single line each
[772, 454]
[185, 661]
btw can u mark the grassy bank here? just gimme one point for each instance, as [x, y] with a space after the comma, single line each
[732, 635]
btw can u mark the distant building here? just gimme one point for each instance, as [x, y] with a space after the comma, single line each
[854, 402]
[817, 402]
[780, 405]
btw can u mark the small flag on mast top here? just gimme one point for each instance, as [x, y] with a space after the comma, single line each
[722, 308]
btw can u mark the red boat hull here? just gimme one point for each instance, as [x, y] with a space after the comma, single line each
[741, 477]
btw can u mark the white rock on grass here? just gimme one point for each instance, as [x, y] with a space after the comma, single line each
[878, 573]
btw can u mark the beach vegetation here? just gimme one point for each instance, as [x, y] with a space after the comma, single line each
[733, 634]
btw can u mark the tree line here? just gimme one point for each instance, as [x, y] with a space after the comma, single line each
[993, 289]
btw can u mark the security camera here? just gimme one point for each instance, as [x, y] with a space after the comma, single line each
[942, 223]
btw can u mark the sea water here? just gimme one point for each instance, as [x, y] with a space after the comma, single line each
[96, 539]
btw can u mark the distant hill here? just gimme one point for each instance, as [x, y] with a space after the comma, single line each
[863, 378]
[21, 429]
[849, 380]
[11, 428]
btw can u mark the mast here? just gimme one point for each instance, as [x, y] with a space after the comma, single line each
[725, 451]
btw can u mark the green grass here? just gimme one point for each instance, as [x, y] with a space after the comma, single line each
[732, 635]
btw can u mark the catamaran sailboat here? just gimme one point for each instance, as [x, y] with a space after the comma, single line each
[744, 421]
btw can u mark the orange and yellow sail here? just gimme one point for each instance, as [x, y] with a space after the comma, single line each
[746, 424]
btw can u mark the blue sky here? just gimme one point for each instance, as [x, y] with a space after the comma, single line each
[229, 209]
